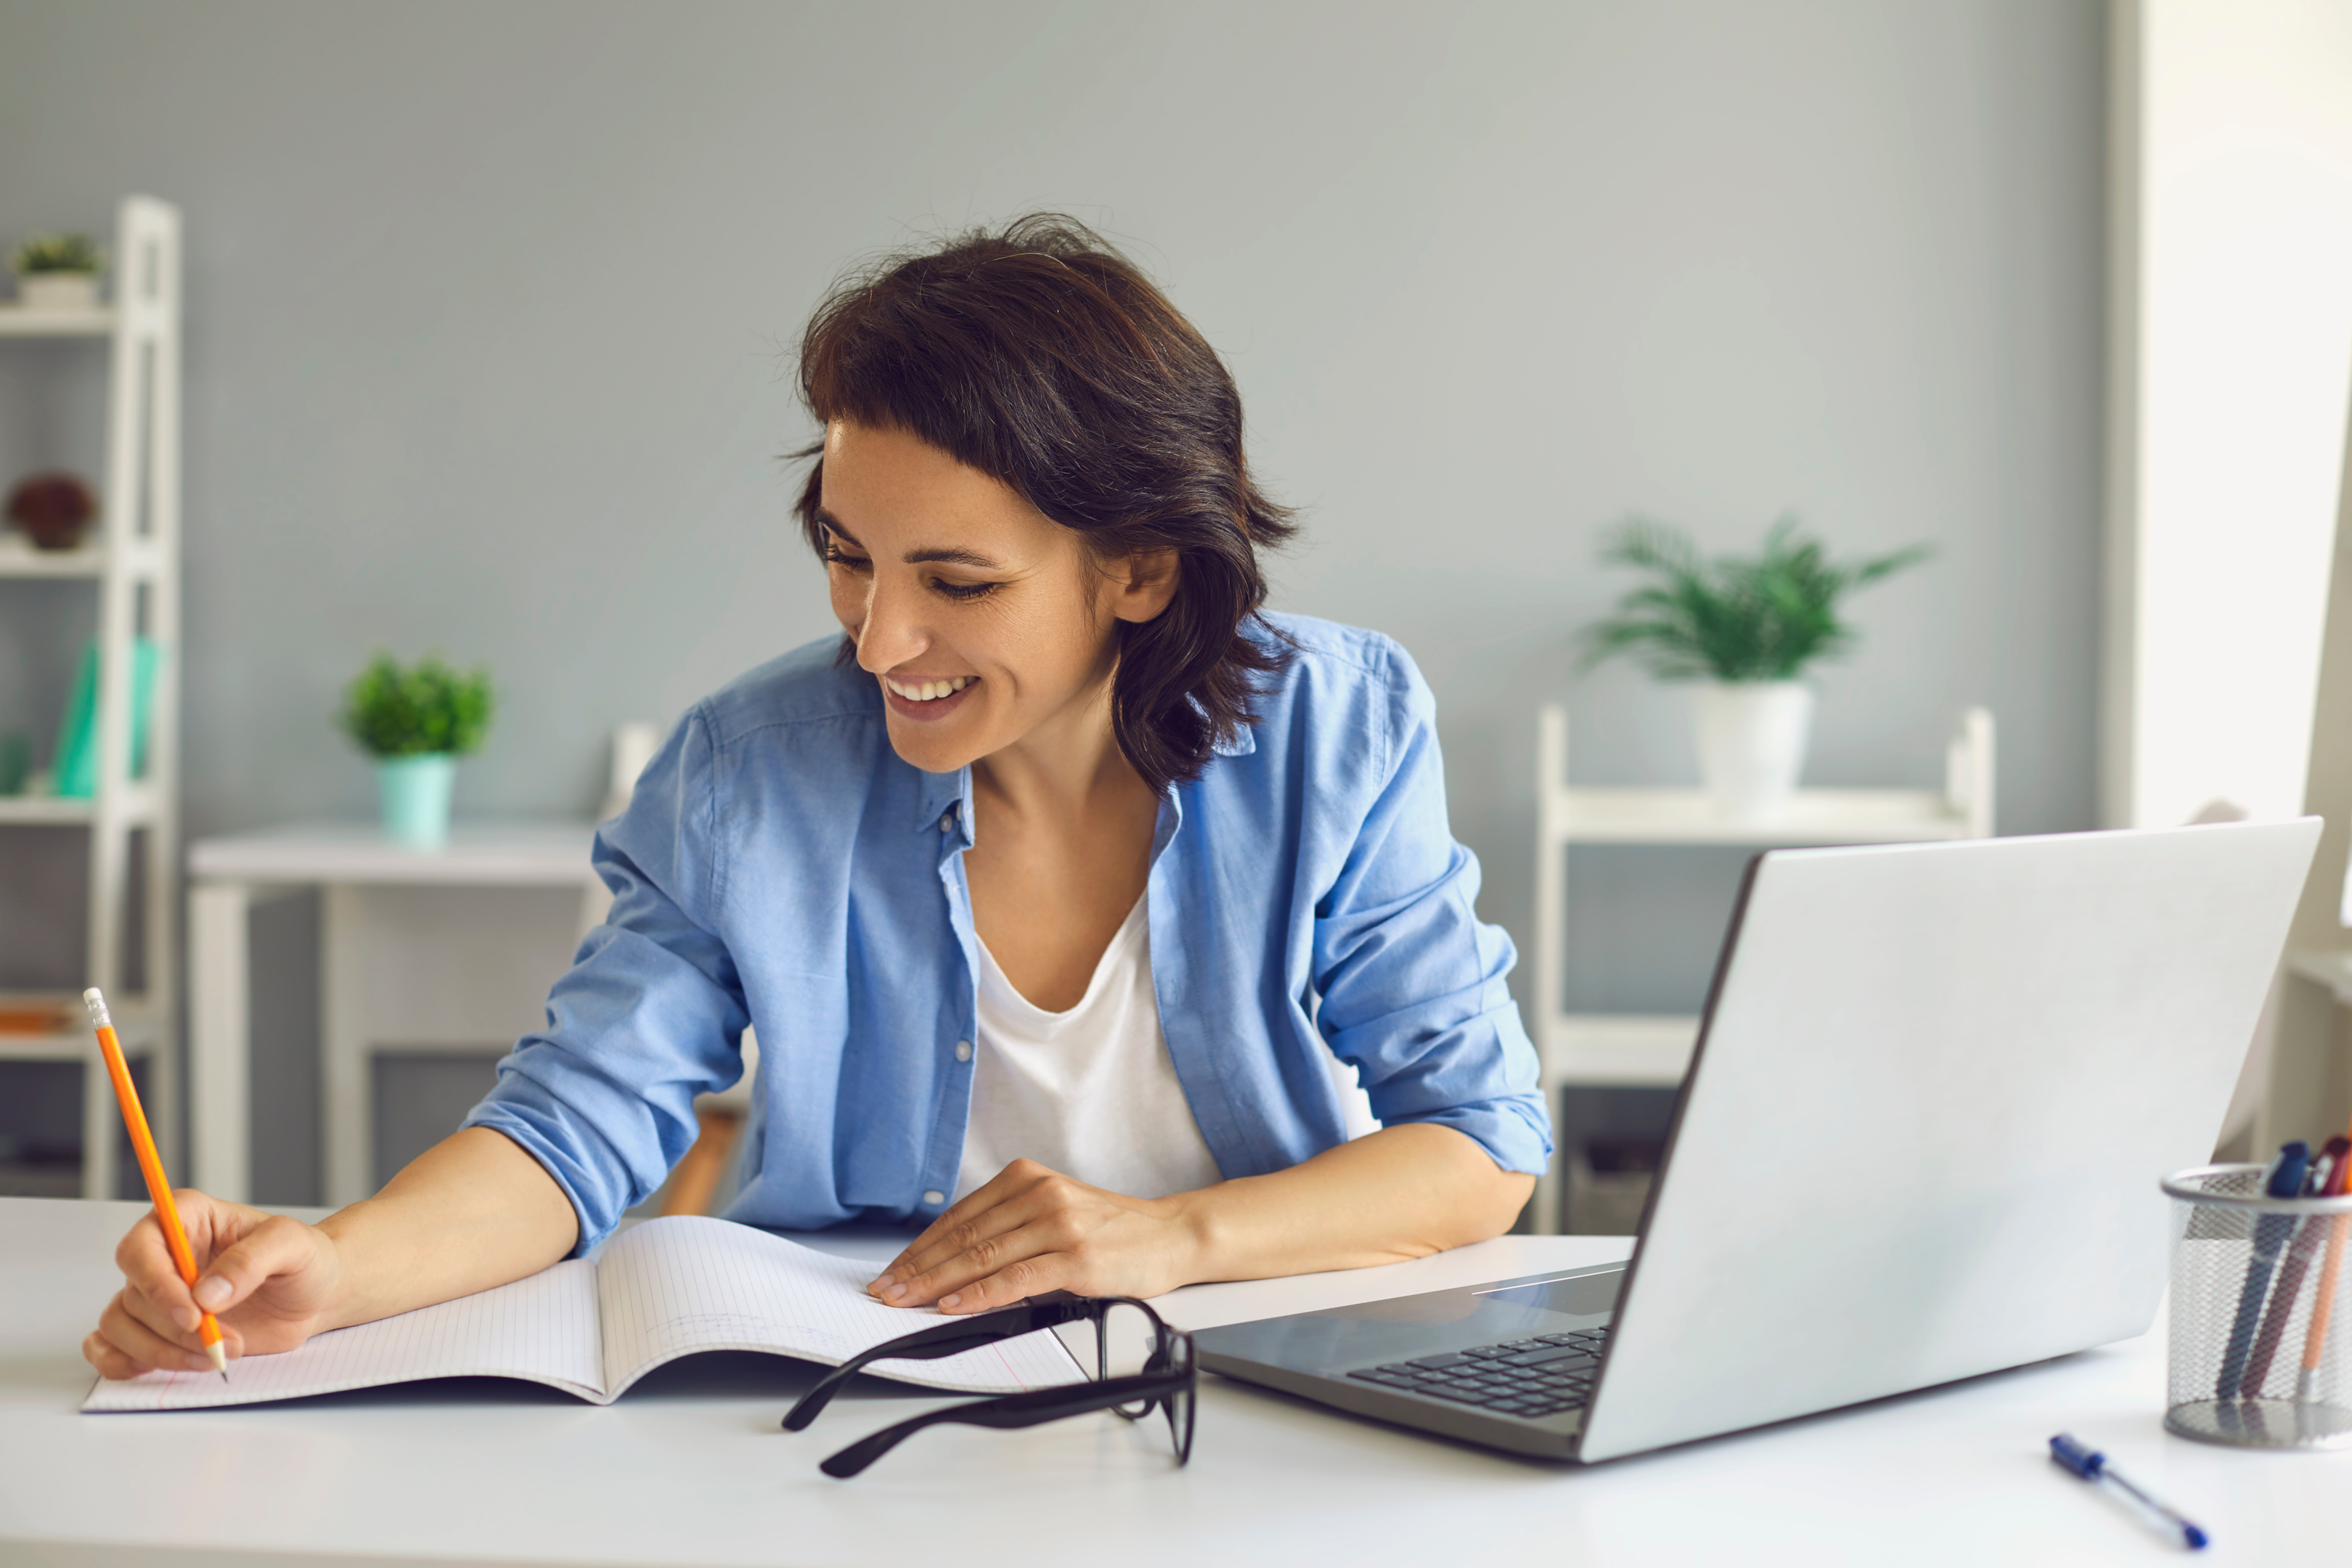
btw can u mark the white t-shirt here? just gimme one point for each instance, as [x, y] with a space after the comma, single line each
[1090, 1092]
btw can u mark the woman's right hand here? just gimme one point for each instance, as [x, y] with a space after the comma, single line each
[269, 1280]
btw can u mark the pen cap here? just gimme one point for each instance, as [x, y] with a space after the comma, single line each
[2259, 1327]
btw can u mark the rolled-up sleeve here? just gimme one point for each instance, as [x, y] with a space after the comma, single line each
[651, 1012]
[1413, 984]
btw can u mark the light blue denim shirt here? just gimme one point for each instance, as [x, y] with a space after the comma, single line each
[780, 867]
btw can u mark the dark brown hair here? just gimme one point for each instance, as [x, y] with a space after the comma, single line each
[1041, 357]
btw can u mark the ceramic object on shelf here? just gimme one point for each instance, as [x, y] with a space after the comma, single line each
[57, 290]
[54, 508]
[1752, 736]
[414, 793]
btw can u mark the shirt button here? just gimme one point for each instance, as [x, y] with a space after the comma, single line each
[935, 1197]
[963, 1050]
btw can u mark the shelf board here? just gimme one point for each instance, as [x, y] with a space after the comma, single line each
[1811, 816]
[1624, 1050]
[50, 811]
[18, 558]
[16, 321]
[133, 1026]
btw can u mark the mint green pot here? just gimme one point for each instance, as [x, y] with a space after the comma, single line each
[415, 795]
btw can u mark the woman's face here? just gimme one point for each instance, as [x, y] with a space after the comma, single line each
[986, 624]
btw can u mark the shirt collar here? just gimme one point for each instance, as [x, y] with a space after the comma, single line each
[944, 802]
[941, 794]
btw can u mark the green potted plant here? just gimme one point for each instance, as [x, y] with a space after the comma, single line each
[1747, 626]
[58, 271]
[417, 722]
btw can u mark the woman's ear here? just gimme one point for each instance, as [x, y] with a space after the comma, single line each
[1144, 584]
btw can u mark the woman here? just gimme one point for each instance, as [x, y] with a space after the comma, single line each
[1052, 888]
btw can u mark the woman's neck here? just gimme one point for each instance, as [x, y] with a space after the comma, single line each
[1068, 769]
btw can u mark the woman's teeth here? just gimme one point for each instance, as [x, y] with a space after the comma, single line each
[929, 690]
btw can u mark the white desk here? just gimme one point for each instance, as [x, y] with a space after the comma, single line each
[689, 1467]
[402, 963]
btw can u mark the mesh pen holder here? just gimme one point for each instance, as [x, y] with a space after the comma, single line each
[2261, 1313]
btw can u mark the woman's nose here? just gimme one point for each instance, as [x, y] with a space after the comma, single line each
[892, 633]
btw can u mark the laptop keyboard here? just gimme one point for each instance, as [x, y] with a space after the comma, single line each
[1539, 1376]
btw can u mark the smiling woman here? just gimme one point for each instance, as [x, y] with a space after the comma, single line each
[1054, 888]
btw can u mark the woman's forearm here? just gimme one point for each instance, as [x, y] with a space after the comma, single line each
[471, 1212]
[1402, 1192]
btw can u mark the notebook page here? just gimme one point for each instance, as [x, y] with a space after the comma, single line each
[672, 1286]
[542, 1329]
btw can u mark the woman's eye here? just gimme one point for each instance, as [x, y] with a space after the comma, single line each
[963, 592]
[835, 556]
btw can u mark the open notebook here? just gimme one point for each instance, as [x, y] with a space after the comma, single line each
[663, 1289]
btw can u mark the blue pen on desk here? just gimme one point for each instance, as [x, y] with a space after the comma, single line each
[2283, 1180]
[2079, 1458]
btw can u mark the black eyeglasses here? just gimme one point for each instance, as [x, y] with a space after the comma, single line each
[1167, 1378]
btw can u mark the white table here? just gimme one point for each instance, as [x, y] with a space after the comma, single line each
[431, 950]
[689, 1467]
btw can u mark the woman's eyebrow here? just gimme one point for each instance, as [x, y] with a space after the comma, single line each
[971, 558]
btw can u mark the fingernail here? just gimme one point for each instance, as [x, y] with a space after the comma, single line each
[950, 1299]
[212, 1292]
[893, 1290]
[876, 1285]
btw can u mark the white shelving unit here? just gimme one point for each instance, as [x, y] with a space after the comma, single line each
[1624, 1050]
[134, 562]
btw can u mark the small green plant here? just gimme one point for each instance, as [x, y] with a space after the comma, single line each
[1735, 618]
[426, 708]
[57, 253]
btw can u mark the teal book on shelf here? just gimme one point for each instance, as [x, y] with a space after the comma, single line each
[76, 763]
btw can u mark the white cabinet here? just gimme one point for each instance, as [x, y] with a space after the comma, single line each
[133, 562]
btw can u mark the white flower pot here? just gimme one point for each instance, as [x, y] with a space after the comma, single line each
[1751, 744]
[57, 290]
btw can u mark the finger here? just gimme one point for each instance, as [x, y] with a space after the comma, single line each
[1034, 1266]
[141, 1344]
[162, 1319]
[101, 1354]
[1046, 1230]
[148, 1267]
[277, 1245]
[979, 1201]
[976, 1238]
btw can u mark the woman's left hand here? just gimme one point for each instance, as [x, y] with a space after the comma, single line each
[1031, 1230]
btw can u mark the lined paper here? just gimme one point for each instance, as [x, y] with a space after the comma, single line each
[663, 1289]
[542, 1329]
[676, 1286]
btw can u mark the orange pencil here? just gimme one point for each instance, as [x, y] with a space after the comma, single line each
[2314, 1339]
[151, 1166]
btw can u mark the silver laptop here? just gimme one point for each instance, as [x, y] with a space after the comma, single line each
[1934, 1090]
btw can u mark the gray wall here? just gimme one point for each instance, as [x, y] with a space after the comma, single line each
[485, 307]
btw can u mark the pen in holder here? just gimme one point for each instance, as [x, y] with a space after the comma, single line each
[2261, 1325]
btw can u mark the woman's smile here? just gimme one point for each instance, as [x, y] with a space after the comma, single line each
[926, 700]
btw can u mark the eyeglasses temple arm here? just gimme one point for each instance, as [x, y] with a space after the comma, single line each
[1032, 1408]
[932, 1344]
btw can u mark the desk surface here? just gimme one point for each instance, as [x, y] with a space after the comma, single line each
[689, 1467]
[521, 853]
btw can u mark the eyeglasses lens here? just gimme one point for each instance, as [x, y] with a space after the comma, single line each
[1180, 1403]
[1128, 1342]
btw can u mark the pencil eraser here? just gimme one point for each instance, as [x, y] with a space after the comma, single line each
[91, 996]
